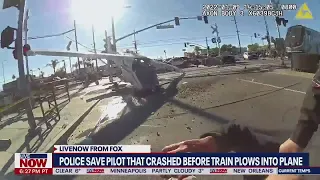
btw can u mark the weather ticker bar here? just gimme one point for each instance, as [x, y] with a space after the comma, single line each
[246, 10]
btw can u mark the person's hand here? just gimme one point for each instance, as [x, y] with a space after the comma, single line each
[289, 147]
[207, 144]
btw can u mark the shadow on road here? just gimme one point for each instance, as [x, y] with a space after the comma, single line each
[119, 129]
[276, 134]
[31, 144]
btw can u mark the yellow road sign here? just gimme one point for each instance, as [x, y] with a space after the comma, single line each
[304, 12]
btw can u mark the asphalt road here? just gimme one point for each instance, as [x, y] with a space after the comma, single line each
[267, 102]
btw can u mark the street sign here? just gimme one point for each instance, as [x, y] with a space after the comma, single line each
[214, 40]
[165, 27]
[219, 40]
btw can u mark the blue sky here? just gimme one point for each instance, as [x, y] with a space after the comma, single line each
[56, 16]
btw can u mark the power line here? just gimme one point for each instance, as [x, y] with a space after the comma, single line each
[48, 36]
[172, 43]
[80, 44]
[177, 39]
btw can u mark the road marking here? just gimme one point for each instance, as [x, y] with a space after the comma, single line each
[270, 85]
[154, 126]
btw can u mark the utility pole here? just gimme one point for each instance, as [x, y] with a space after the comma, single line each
[276, 6]
[26, 39]
[207, 46]
[94, 46]
[4, 78]
[113, 34]
[235, 22]
[22, 77]
[218, 41]
[165, 53]
[64, 65]
[268, 35]
[76, 39]
[135, 42]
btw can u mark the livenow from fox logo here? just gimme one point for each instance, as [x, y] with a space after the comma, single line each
[33, 163]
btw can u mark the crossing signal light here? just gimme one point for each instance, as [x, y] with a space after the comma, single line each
[177, 21]
[255, 35]
[205, 19]
[7, 37]
[26, 48]
[185, 44]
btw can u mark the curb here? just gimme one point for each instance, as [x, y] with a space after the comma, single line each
[295, 73]
[64, 134]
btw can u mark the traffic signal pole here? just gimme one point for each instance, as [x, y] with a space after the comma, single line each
[268, 34]
[94, 47]
[25, 28]
[152, 26]
[235, 22]
[76, 39]
[22, 77]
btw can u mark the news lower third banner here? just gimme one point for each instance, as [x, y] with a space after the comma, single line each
[126, 160]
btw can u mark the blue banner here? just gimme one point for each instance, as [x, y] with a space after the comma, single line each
[308, 170]
[182, 160]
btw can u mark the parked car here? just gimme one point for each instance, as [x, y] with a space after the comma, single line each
[249, 56]
[229, 59]
[176, 61]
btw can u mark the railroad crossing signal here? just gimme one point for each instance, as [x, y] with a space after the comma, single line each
[26, 48]
[216, 40]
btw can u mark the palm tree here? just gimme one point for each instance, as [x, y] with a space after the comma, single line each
[53, 64]
[41, 74]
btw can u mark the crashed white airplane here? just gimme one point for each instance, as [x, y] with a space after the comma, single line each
[137, 70]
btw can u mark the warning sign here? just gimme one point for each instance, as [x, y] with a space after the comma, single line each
[304, 12]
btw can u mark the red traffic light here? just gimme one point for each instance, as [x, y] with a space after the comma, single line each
[26, 48]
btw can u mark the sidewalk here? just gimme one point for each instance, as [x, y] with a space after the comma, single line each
[290, 72]
[17, 128]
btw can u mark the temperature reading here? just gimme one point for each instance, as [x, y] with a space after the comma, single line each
[77, 170]
[200, 171]
[241, 13]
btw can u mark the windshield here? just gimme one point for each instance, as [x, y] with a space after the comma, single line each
[295, 36]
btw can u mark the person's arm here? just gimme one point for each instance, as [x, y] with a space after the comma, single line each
[238, 138]
[309, 116]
